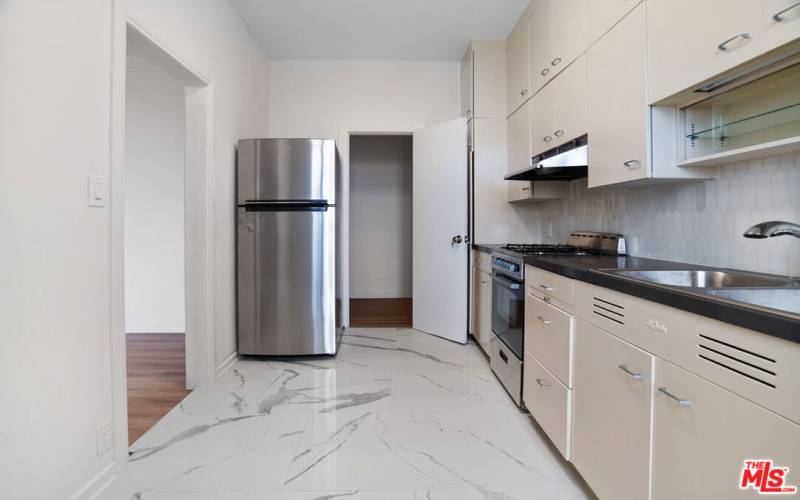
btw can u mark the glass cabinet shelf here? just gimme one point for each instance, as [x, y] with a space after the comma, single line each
[765, 111]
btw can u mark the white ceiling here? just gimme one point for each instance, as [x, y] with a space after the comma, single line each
[375, 29]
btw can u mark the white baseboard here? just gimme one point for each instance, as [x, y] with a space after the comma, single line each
[225, 365]
[99, 485]
[155, 329]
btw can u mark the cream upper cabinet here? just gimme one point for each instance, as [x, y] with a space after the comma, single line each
[689, 41]
[611, 414]
[467, 84]
[617, 110]
[558, 111]
[557, 37]
[702, 434]
[519, 139]
[517, 85]
[601, 15]
[783, 22]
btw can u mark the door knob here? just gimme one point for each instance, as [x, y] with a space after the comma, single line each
[456, 240]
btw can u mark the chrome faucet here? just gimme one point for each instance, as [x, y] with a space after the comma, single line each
[773, 228]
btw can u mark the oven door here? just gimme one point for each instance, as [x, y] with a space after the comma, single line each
[508, 308]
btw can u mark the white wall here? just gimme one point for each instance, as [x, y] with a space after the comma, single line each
[55, 338]
[154, 200]
[55, 373]
[380, 216]
[210, 38]
[698, 222]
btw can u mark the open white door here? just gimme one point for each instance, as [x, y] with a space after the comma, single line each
[440, 228]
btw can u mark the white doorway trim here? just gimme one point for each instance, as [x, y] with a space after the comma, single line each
[199, 230]
[343, 144]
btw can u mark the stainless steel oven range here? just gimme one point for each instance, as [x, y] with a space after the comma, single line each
[508, 298]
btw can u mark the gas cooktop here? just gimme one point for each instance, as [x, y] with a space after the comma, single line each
[579, 243]
[543, 249]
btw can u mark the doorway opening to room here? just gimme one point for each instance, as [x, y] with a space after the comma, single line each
[164, 188]
[381, 209]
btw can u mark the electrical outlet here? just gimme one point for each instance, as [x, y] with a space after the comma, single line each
[104, 438]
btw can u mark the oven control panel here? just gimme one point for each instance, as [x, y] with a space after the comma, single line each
[508, 265]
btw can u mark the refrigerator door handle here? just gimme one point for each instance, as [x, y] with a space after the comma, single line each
[287, 206]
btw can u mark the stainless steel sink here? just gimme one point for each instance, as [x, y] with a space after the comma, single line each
[782, 299]
[704, 279]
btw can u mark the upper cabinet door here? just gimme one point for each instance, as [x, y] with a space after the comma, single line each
[542, 121]
[517, 86]
[557, 37]
[601, 15]
[617, 108]
[569, 103]
[690, 41]
[519, 139]
[783, 22]
[467, 85]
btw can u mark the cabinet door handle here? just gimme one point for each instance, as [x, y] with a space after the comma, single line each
[542, 383]
[545, 321]
[682, 402]
[484, 282]
[556, 61]
[558, 133]
[523, 92]
[547, 138]
[526, 189]
[469, 112]
[544, 72]
[633, 164]
[546, 288]
[778, 17]
[724, 46]
[636, 376]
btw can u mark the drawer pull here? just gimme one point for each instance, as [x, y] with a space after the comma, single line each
[545, 321]
[682, 402]
[546, 288]
[544, 72]
[725, 46]
[634, 375]
[778, 17]
[556, 61]
[632, 164]
[542, 383]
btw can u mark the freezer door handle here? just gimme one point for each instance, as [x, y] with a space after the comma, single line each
[287, 206]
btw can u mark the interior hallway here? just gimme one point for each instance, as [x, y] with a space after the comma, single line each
[397, 415]
[156, 364]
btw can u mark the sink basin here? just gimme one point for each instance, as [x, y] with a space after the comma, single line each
[695, 278]
[782, 299]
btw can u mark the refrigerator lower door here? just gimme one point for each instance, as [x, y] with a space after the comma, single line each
[286, 291]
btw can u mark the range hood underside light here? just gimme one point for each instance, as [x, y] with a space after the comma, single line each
[564, 163]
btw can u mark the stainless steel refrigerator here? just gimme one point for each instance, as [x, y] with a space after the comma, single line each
[286, 256]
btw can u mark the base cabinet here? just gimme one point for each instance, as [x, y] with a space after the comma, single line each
[702, 434]
[611, 414]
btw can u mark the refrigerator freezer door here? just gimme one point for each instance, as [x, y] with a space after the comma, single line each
[286, 282]
[286, 169]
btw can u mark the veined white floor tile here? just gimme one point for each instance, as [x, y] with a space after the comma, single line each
[397, 415]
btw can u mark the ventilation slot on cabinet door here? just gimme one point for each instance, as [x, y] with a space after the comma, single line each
[608, 310]
[746, 363]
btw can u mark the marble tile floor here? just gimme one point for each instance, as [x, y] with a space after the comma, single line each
[397, 415]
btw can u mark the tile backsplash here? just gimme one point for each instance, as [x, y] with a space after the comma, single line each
[698, 222]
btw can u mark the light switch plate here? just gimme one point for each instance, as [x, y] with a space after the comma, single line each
[97, 191]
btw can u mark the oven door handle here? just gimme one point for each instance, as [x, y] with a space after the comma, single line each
[513, 285]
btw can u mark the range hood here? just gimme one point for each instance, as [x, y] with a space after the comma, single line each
[563, 163]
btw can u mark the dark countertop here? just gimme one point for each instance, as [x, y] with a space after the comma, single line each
[582, 268]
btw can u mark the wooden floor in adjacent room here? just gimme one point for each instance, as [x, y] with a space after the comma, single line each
[380, 313]
[156, 378]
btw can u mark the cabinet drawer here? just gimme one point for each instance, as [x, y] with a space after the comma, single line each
[548, 336]
[549, 402]
[483, 261]
[704, 438]
[549, 286]
[611, 414]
